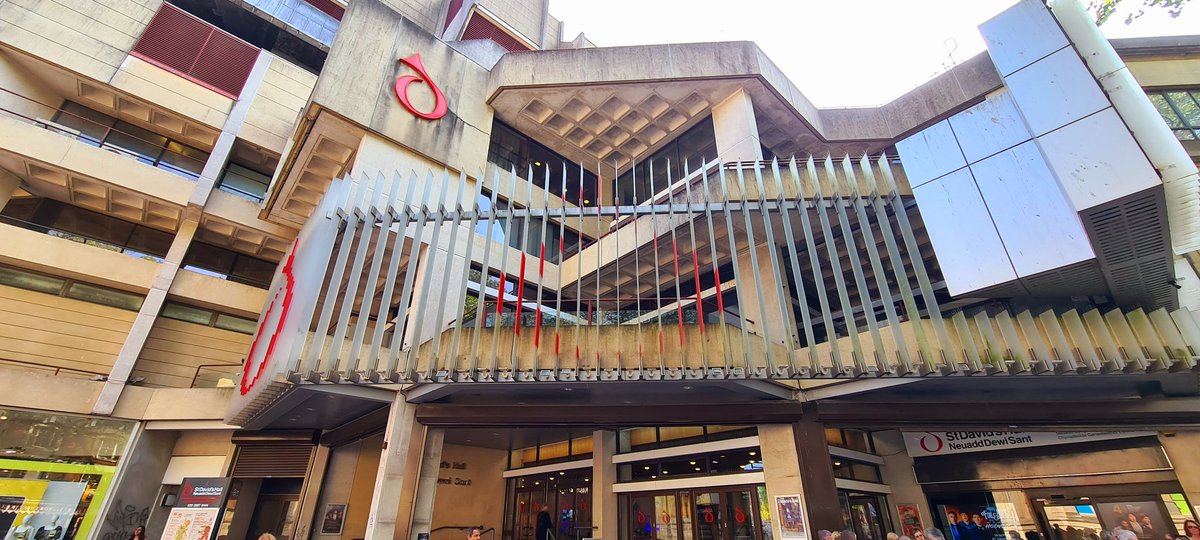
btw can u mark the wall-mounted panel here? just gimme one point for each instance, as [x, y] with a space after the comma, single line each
[990, 127]
[969, 250]
[930, 154]
[1056, 91]
[1021, 35]
[1040, 229]
[1097, 160]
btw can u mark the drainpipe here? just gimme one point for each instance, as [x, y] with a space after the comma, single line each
[1181, 181]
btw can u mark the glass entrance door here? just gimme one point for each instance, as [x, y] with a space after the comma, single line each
[699, 514]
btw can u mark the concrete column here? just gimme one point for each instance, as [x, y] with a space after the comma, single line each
[9, 183]
[898, 473]
[816, 475]
[311, 493]
[144, 322]
[604, 476]
[1180, 447]
[781, 469]
[106, 402]
[431, 465]
[385, 520]
[736, 129]
[776, 322]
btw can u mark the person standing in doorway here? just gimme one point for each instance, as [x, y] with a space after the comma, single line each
[474, 533]
[544, 524]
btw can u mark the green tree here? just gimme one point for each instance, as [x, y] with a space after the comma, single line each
[1105, 8]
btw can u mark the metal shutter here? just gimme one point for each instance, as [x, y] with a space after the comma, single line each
[272, 461]
[179, 42]
[481, 28]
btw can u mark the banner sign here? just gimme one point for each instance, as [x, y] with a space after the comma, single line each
[941, 443]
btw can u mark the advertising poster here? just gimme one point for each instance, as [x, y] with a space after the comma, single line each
[335, 515]
[190, 523]
[973, 522]
[197, 509]
[46, 508]
[910, 518]
[1143, 518]
[791, 516]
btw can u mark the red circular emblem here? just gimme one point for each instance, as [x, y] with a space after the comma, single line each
[402, 84]
[937, 443]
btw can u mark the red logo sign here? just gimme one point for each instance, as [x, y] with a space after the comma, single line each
[402, 84]
[933, 446]
[252, 370]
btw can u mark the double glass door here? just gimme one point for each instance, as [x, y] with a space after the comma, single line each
[698, 514]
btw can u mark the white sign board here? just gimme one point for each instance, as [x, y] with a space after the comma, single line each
[942, 443]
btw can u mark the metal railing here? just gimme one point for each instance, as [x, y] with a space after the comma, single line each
[231, 375]
[55, 370]
[104, 141]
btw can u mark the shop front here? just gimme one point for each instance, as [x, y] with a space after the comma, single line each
[55, 472]
[1061, 486]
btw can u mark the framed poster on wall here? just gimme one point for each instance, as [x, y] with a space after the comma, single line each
[791, 516]
[333, 518]
[910, 518]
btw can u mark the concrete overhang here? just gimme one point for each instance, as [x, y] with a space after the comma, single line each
[619, 103]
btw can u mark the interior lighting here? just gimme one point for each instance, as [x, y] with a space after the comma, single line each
[647, 467]
[692, 462]
[560, 473]
[754, 453]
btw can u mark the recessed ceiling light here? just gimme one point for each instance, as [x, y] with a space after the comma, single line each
[692, 462]
[754, 453]
[560, 473]
[697, 469]
[647, 467]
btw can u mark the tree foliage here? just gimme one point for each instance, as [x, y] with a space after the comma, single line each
[1105, 8]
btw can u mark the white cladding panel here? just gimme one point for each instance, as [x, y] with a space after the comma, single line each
[989, 127]
[931, 153]
[969, 250]
[1021, 35]
[1097, 160]
[1056, 91]
[1039, 227]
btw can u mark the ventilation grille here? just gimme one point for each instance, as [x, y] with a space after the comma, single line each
[1133, 246]
[481, 28]
[272, 461]
[1079, 279]
[179, 42]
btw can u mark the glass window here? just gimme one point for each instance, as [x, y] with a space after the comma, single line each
[235, 324]
[101, 295]
[28, 280]
[666, 166]
[99, 129]
[72, 457]
[183, 160]
[509, 149]
[1180, 109]
[243, 181]
[187, 313]
[143, 144]
[252, 271]
[92, 125]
